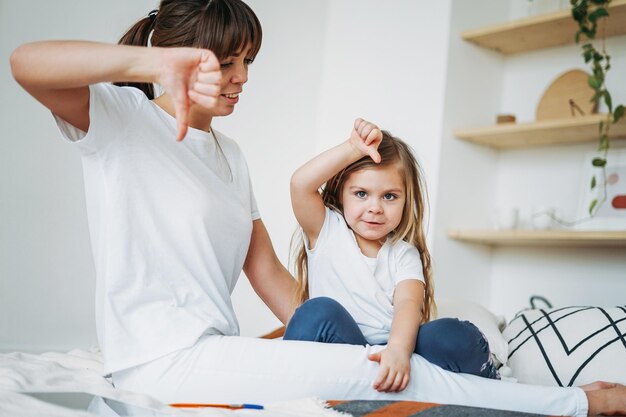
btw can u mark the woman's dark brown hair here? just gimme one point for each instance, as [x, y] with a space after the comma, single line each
[225, 27]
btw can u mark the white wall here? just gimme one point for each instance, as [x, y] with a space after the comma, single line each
[466, 176]
[322, 64]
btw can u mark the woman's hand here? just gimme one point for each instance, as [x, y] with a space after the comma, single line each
[58, 73]
[394, 372]
[365, 138]
[189, 75]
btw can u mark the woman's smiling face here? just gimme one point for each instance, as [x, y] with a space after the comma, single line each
[234, 76]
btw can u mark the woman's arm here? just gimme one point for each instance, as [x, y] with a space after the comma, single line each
[306, 201]
[395, 359]
[269, 278]
[58, 73]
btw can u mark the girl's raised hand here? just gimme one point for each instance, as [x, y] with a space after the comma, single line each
[189, 75]
[365, 138]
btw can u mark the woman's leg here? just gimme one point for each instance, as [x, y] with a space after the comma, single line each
[219, 369]
[456, 346]
[323, 319]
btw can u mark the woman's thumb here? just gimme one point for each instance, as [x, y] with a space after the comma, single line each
[181, 108]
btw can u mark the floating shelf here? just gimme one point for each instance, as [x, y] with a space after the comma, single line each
[543, 31]
[546, 132]
[563, 238]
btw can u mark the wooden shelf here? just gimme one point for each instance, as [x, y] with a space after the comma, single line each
[543, 133]
[562, 238]
[542, 31]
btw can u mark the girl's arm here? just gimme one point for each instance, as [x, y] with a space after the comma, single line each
[269, 278]
[395, 359]
[58, 73]
[306, 201]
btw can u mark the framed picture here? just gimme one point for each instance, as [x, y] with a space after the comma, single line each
[611, 215]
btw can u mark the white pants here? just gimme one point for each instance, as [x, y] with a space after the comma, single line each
[220, 369]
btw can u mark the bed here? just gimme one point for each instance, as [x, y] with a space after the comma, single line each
[549, 346]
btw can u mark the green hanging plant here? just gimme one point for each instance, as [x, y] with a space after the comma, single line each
[588, 13]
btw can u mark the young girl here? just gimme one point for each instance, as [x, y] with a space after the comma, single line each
[174, 223]
[364, 261]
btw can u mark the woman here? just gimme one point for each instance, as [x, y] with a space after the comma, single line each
[173, 223]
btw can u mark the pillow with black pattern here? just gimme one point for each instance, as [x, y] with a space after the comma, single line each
[568, 346]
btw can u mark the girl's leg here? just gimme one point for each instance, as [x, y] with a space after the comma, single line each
[323, 319]
[456, 346]
[219, 369]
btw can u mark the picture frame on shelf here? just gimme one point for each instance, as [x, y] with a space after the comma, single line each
[611, 215]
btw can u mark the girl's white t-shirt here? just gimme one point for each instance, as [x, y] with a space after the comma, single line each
[169, 230]
[363, 286]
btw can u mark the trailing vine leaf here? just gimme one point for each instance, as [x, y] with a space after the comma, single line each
[598, 162]
[588, 14]
[618, 113]
[598, 13]
[594, 82]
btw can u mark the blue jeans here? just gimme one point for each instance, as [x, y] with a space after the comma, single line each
[454, 345]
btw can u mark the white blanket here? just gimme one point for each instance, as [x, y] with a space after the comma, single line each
[81, 371]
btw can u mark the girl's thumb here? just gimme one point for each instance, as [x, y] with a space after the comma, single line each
[374, 357]
[375, 155]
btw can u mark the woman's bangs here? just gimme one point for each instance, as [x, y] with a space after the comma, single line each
[228, 33]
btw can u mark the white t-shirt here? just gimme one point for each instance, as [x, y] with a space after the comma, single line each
[364, 286]
[169, 230]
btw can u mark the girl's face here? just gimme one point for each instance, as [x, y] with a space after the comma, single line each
[234, 76]
[373, 202]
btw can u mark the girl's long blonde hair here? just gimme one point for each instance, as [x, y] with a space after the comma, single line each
[411, 229]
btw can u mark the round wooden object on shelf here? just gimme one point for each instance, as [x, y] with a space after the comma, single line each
[568, 96]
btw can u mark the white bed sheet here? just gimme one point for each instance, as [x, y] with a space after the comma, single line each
[79, 371]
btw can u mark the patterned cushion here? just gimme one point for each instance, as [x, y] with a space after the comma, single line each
[568, 346]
